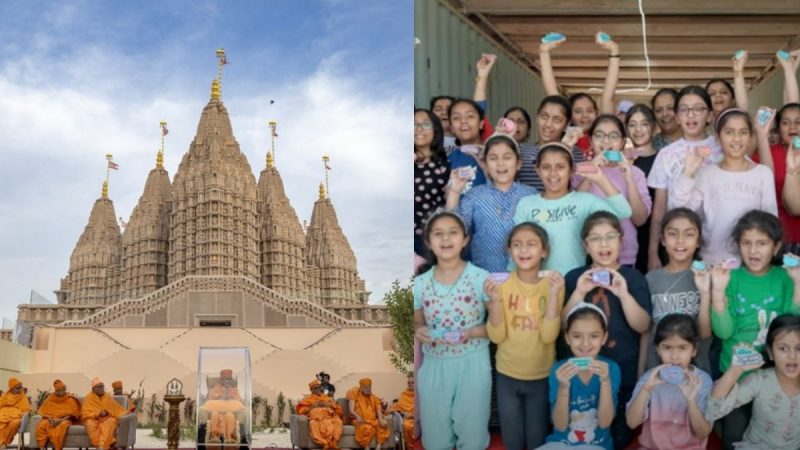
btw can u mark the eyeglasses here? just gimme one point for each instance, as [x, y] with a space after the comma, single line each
[596, 239]
[696, 110]
[427, 125]
[599, 136]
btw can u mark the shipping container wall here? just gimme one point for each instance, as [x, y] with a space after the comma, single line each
[444, 63]
[769, 92]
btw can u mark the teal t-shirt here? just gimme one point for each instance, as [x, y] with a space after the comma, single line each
[563, 219]
[753, 301]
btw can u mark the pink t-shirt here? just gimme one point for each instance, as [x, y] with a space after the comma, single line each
[630, 243]
[721, 198]
[666, 423]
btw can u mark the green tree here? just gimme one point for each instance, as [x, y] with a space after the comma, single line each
[281, 407]
[400, 303]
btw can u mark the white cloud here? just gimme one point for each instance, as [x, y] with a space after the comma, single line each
[57, 134]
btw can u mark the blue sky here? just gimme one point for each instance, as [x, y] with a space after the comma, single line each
[79, 79]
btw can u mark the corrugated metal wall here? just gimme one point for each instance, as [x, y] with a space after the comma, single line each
[444, 63]
[769, 93]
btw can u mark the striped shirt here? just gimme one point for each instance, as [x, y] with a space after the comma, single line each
[489, 215]
[527, 174]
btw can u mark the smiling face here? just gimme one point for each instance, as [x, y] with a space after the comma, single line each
[502, 163]
[693, 115]
[447, 239]
[440, 109]
[603, 244]
[586, 336]
[423, 130]
[640, 129]
[606, 136]
[757, 250]
[465, 123]
[721, 96]
[554, 171]
[583, 113]
[734, 137]
[664, 110]
[551, 121]
[789, 126]
[785, 351]
[527, 250]
[676, 350]
[521, 134]
[681, 239]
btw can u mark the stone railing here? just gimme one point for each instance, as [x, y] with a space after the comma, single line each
[159, 299]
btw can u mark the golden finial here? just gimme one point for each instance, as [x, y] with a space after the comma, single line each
[160, 155]
[221, 61]
[321, 191]
[326, 168]
[273, 125]
[160, 159]
[269, 160]
[214, 90]
[104, 192]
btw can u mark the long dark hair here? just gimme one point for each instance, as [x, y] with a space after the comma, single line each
[438, 154]
[785, 323]
[430, 256]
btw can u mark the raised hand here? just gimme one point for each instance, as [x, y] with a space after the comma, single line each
[654, 379]
[484, 65]
[694, 160]
[702, 279]
[720, 277]
[619, 285]
[572, 136]
[610, 45]
[549, 46]
[492, 290]
[457, 182]
[565, 373]
[792, 161]
[585, 284]
[600, 368]
[690, 386]
[738, 64]
[556, 282]
[766, 127]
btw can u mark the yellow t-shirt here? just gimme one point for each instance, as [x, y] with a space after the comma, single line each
[526, 342]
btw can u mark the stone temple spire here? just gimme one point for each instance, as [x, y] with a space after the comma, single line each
[328, 250]
[145, 242]
[213, 219]
[281, 236]
[93, 276]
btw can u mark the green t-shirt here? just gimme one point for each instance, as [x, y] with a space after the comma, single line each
[753, 302]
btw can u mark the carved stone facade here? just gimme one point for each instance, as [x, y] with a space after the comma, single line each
[214, 230]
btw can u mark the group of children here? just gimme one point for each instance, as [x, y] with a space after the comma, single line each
[542, 253]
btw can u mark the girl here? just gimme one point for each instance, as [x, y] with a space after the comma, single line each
[523, 121]
[723, 192]
[583, 390]
[773, 391]
[466, 123]
[784, 162]
[551, 121]
[692, 106]
[676, 287]
[430, 171]
[583, 108]
[440, 104]
[746, 299]
[622, 293]
[663, 104]
[454, 382]
[524, 322]
[607, 133]
[671, 413]
[487, 209]
[562, 212]
[640, 124]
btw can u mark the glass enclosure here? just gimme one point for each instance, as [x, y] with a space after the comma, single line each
[223, 398]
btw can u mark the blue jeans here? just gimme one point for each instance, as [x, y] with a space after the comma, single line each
[524, 411]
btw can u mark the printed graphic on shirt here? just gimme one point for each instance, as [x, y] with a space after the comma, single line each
[526, 312]
[582, 425]
[558, 214]
[676, 302]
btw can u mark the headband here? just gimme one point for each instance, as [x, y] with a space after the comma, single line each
[585, 305]
[727, 111]
[500, 136]
[443, 212]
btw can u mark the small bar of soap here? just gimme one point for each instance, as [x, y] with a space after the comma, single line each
[602, 277]
[603, 37]
[499, 277]
[783, 54]
[698, 265]
[581, 363]
[738, 55]
[790, 261]
[745, 356]
[552, 37]
[672, 374]
[612, 156]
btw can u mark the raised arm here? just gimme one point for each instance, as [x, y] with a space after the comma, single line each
[791, 93]
[548, 77]
[762, 138]
[612, 76]
[484, 68]
[791, 185]
[739, 88]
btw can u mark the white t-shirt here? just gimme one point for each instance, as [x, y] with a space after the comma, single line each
[670, 160]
